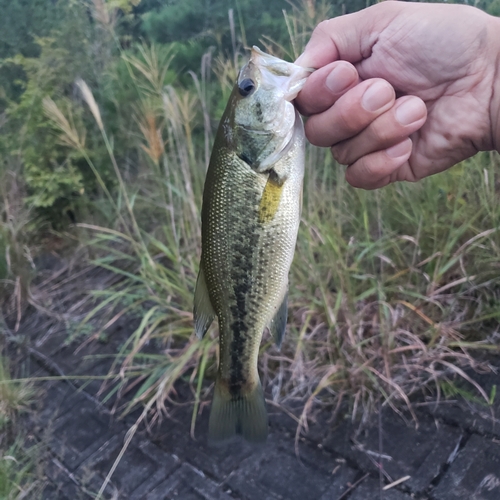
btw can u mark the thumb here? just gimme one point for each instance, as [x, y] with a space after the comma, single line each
[350, 37]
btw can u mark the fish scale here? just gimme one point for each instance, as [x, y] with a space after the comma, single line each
[250, 217]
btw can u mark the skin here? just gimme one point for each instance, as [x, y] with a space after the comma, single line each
[403, 90]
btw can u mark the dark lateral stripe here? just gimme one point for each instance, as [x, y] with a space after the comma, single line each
[243, 260]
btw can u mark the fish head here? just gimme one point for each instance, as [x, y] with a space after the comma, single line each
[263, 117]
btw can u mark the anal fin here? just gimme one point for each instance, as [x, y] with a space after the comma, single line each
[277, 326]
[203, 311]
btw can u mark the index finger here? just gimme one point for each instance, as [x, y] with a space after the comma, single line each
[350, 37]
[325, 86]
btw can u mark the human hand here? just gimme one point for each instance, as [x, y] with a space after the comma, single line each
[403, 90]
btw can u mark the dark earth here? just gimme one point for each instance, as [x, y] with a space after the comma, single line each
[451, 453]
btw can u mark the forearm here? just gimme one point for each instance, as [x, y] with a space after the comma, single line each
[495, 98]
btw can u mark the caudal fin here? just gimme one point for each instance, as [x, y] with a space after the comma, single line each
[245, 415]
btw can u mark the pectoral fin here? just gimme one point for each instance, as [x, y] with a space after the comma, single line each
[278, 323]
[203, 311]
[271, 197]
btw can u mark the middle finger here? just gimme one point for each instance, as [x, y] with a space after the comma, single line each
[351, 114]
[405, 117]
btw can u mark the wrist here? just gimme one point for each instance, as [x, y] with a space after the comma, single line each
[495, 95]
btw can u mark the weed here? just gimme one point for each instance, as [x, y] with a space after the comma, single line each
[386, 287]
[391, 292]
[18, 477]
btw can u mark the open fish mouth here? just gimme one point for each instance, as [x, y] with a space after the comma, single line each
[279, 74]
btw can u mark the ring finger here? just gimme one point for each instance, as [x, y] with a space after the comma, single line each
[351, 113]
[405, 117]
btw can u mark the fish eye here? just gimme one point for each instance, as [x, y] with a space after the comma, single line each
[246, 87]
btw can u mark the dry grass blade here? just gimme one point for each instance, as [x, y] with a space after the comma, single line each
[69, 134]
[153, 67]
[101, 13]
[462, 374]
[14, 395]
[153, 136]
[89, 99]
[395, 483]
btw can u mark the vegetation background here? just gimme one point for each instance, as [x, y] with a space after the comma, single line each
[107, 114]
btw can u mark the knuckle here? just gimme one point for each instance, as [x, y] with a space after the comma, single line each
[367, 172]
[348, 121]
[302, 106]
[414, 172]
[323, 27]
[355, 177]
[383, 134]
[315, 133]
[341, 154]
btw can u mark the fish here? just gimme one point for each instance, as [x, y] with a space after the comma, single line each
[252, 202]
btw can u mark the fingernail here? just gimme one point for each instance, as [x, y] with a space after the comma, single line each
[301, 59]
[304, 59]
[340, 78]
[410, 111]
[399, 149]
[377, 95]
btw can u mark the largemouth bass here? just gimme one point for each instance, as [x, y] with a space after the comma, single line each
[250, 217]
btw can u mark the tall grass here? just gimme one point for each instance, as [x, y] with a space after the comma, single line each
[391, 292]
[19, 477]
[397, 287]
[15, 255]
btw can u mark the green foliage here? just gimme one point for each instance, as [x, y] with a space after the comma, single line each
[14, 396]
[55, 176]
[18, 470]
[17, 461]
[224, 24]
[179, 21]
[22, 22]
[125, 6]
[491, 7]
[50, 174]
